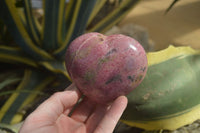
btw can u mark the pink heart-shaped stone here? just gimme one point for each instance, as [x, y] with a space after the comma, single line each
[105, 67]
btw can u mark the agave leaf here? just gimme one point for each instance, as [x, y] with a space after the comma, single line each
[32, 27]
[168, 97]
[52, 24]
[26, 92]
[71, 15]
[83, 16]
[19, 32]
[99, 4]
[115, 16]
[21, 91]
[1, 29]
[15, 55]
[56, 67]
[5, 36]
[9, 80]
[76, 23]
[11, 73]
[9, 128]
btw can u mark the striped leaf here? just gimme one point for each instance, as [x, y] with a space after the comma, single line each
[53, 24]
[77, 23]
[15, 55]
[33, 28]
[71, 14]
[8, 80]
[99, 4]
[19, 32]
[114, 17]
[6, 128]
[83, 16]
[26, 92]
[5, 36]
[169, 96]
[56, 67]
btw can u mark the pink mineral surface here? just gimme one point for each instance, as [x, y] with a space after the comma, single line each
[105, 67]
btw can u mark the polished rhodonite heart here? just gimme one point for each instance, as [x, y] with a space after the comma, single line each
[105, 67]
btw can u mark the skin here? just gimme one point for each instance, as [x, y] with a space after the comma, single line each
[52, 116]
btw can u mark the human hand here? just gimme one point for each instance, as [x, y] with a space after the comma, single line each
[52, 116]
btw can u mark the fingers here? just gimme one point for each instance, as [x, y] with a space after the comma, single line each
[110, 119]
[83, 110]
[58, 103]
[96, 117]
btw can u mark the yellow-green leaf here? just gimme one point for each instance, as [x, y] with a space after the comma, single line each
[53, 24]
[31, 85]
[56, 67]
[71, 15]
[82, 12]
[15, 55]
[17, 28]
[99, 4]
[168, 97]
[32, 27]
[114, 16]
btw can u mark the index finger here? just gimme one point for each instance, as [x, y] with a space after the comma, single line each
[110, 119]
[59, 103]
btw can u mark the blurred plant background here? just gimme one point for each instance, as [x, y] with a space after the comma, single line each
[34, 36]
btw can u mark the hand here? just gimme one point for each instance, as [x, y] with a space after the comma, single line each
[52, 116]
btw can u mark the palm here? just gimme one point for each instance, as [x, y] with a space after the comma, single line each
[63, 125]
[53, 115]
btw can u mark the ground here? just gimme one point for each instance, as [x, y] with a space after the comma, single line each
[180, 26]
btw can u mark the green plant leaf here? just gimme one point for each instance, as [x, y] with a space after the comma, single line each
[114, 16]
[76, 23]
[53, 24]
[71, 15]
[19, 32]
[99, 4]
[5, 36]
[168, 97]
[33, 82]
[83, 16]
[56, 67]
[32, 27]
[9, 128]
[15, 55]
[9, 80]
